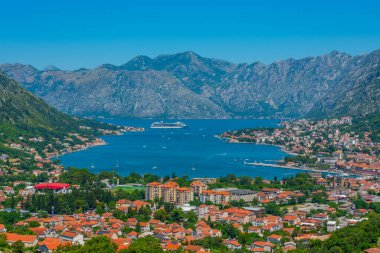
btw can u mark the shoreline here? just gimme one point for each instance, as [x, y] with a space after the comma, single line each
[283, 149]
[296, 168]
[101, 142]
[278, 165]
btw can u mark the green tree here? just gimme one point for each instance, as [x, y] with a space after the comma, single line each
[34, 224]
[146, 244]
[336, 249]
[169, 207]
[17, 247]
[161, 215]
[176, 215]
[99, 244]
[273, 208]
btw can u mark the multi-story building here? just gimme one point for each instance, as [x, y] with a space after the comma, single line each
[198, 187]
[246, 195]
[184, 195]
[169, 192]
[216, 197]
[153, 191]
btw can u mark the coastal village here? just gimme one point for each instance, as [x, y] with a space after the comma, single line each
[71, 143]
[227, 214]
[327, 145]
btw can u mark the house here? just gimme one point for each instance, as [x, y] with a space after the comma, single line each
[271, 191]
[271, 228]
[122, 243]
[288, 230]
[215, 233]
[132, 235]
[372, 250]
[232, 244]
[253, 229]
[361, 212]
[27, 240]
[331, 226]
[132, 222]
[145, 226]
[194, 249]
[272, 219]
[172, 246]
[123, 203]
[321, 216]
[274, 239]
[138, 204]
[241, 216]
[308, 225]
[288, 246]
[259, 212]
[51, 244]
[39, 231]
[263, 246]
[73, 237]
[109, 233]
[2, 228]
[291, 219]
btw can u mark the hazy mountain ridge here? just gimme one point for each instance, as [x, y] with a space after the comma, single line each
[186, 85]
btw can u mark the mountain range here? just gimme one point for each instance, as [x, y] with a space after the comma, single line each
[186, 85]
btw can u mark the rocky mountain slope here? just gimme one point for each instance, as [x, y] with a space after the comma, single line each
[186, 85]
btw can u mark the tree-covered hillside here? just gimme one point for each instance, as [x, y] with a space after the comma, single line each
[369, 123]
[356, 238]
[24, 116]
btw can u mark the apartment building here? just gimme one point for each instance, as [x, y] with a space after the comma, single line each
[198, 187]
[216, 197]
[169, 192]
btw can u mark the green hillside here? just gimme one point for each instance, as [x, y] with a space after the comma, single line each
[356, 238]
[369, 123]
[24, 116]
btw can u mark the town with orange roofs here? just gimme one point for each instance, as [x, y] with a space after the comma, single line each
[59, 210]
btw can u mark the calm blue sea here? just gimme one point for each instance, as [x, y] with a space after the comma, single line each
[193, 151]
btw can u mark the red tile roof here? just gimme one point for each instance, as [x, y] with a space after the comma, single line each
[12, 237]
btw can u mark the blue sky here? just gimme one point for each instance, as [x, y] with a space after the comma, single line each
[73, 34]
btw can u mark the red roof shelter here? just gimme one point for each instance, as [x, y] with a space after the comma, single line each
[51, 186]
